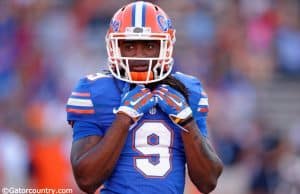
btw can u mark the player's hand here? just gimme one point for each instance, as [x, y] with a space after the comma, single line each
[136, 102]
[173, 103]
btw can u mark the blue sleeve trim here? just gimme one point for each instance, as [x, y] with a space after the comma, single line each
[201, 122]
[83, 129]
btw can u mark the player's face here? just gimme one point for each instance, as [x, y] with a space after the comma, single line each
[139, 49]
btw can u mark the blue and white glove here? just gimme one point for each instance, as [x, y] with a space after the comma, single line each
[173, 103]
[136, 102]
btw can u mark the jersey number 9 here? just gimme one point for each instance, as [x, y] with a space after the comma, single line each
[153, 141]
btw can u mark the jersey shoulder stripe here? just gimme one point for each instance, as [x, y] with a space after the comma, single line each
[80, 111]
[92, 98]
[80, 94]
[80, 102]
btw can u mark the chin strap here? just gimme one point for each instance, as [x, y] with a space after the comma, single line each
[141, 76]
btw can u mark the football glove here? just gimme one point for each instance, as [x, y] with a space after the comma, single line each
[136, 102]
[173, 103]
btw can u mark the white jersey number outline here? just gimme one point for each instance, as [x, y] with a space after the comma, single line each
[153, 140]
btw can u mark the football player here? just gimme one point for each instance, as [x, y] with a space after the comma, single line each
[136, 128]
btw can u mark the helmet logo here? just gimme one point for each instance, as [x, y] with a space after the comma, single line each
[163, 23]
[170, 24]
[115, 25]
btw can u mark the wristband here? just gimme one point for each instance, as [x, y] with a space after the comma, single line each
[186, 121]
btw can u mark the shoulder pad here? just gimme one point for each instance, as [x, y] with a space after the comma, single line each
[198, 99]
[80, 105]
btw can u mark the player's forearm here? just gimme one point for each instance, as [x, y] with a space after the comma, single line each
[204, 165]
[97, 164]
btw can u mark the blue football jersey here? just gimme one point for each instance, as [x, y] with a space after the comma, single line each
[153, 158]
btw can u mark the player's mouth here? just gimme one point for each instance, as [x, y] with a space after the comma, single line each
[139, 66]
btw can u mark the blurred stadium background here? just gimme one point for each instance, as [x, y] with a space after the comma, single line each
[247, 54]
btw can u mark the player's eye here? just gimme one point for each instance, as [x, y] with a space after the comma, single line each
[151, 45]
[128, 46]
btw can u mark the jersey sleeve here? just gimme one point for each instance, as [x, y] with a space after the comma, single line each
[198, 100]
[81, 113]
[199, 105]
